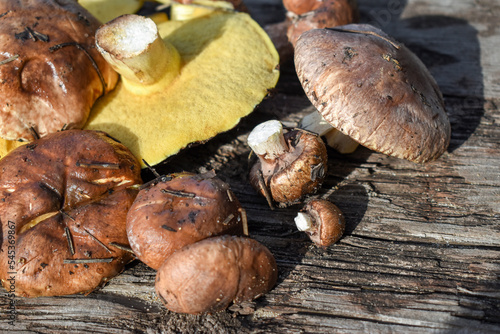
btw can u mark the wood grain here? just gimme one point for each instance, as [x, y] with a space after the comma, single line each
[422, 248]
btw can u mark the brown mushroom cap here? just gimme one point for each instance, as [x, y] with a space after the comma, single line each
[299, 7]
[179, 212]
[374, 90]
[208, 275]
[51, 82]
[64, 198]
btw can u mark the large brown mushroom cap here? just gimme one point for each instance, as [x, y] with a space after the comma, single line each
[63, 203]
[50, 81]
[374, 90]
[172, 214]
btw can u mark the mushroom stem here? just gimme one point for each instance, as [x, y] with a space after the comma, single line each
[132, 45]
[267, 140]
[314, 122]
[182, 12]
[342, 143]
[304, 222]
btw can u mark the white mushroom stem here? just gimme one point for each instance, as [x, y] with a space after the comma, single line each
[340, 142]
[267, 140]
[314, 122]
[304, 222]
[132, 46]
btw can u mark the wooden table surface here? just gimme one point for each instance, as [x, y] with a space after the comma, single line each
[421, 253]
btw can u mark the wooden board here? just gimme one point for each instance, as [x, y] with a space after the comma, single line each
[422, 248]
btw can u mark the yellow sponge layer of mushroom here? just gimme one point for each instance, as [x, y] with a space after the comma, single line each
[228, 65]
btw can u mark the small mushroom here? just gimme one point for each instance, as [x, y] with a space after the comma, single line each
[304, 15]
[290, 165]
[323, 222]
[315, 14]
[207, 276]
[51, 72]
[374, 90]
[182, 82]
[181, 210]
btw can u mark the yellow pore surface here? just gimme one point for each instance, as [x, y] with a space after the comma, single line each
[228, 65]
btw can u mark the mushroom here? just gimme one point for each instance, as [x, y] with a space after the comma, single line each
[178, 211]
[196, 81]
[314, 14]
[51, 72]
[290, 165]
[374, 90]
[303, 15]
[207, 276]
[63, 205]
[323, 222]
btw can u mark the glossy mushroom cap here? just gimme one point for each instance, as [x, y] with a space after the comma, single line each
[63, 205]
[374, 90]
[170, 215]
[53, 74]
[209, 275]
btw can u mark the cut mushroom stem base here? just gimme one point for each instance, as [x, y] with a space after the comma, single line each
[132, 45]
[304, 222]
[267, 140]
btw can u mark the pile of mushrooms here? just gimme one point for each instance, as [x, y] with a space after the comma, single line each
[182, 82]
[72, 202]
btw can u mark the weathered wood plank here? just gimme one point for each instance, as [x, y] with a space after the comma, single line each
[422, 248]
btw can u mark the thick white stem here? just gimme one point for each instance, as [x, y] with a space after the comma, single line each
[314, 122]
[340, 142]
[132, 46]
[267, 140]
[304, 222]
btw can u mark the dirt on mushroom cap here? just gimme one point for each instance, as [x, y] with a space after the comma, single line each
[374, 90]
[229, 64]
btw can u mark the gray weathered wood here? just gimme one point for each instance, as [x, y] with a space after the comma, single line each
[422, 248]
